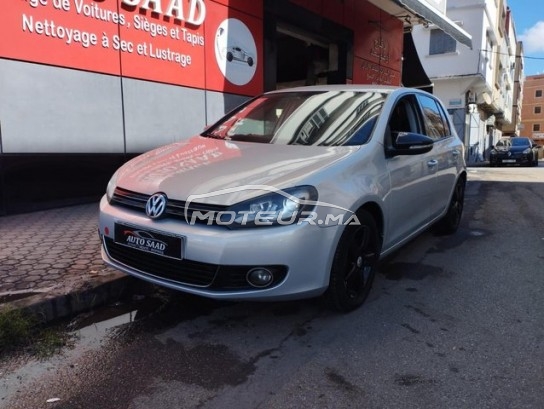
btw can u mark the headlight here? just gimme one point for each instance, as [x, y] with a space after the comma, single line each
[279, 208]
[493, 151]
[527, 151]
[111, 186]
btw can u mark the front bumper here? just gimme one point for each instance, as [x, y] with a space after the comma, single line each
[216, 259]
[514, 159]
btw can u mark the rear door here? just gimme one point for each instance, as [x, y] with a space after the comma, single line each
[445, 156]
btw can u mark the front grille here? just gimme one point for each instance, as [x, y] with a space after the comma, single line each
[174, 208]
[187, 272]
[177, 271]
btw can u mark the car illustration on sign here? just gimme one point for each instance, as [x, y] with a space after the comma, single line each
[237, 54]
[236, 51]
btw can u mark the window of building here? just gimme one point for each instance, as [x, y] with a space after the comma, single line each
[441, 43]
[538, 110]
[536, 127]
[538, 93]
[489, 50]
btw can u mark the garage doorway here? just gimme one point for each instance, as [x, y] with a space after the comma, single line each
[302, 48]
[303, 59]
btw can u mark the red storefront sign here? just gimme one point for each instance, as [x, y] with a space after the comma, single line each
[170, 41]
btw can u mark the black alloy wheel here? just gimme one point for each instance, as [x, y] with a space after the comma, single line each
[452, 219]
[354, 265]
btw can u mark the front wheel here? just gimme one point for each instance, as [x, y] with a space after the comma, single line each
[354, 264]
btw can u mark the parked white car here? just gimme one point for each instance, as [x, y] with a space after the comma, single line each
[297, 193]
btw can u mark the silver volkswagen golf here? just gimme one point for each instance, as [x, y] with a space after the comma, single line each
[297, 193]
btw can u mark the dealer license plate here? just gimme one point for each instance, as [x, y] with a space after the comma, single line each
[150, 241]
[508, 161]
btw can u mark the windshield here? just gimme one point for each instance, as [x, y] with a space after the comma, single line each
[520, 142]
[330, 118]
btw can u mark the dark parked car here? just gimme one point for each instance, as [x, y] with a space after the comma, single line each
[519, 150]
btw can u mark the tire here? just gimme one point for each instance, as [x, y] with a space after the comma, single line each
[452, 219]
[354, 265]
[250, 61]
[230, 56]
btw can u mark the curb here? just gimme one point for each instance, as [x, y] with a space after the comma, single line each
[51, 306]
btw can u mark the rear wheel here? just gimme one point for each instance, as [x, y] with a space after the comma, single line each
[451, 220]
[354, 265]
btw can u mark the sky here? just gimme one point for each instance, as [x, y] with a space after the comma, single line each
[529, 22]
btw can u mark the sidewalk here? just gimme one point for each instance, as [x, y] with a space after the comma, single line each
[50, 262]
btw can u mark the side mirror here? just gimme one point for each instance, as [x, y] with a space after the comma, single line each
[409, 143]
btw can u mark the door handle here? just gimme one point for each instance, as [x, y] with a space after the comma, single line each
[432, 163]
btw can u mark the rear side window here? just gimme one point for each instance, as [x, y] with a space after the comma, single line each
[436, 122]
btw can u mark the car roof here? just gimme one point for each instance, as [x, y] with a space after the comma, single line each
[388, 89]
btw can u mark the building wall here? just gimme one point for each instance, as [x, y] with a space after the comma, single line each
[102, 77]
[481, 80]
[532, 124]
[464, 61]
[93, 83]
[108, 95]
[518, 77]
[377, 38]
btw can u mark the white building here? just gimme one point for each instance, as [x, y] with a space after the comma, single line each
[477, 84]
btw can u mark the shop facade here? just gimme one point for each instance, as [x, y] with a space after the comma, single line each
[87, 84]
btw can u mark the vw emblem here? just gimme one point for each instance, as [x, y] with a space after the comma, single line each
[156, 205]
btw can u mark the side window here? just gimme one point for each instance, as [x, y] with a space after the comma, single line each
[404, 117]
[445, 120]
[436, 123]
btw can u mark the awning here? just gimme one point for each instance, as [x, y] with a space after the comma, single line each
[413, 73]
[440, 20]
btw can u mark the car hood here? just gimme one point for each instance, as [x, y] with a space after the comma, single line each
[516, 149]
[202, 166]
[511, 149]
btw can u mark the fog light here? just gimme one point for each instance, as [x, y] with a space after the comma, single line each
[259, 277]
